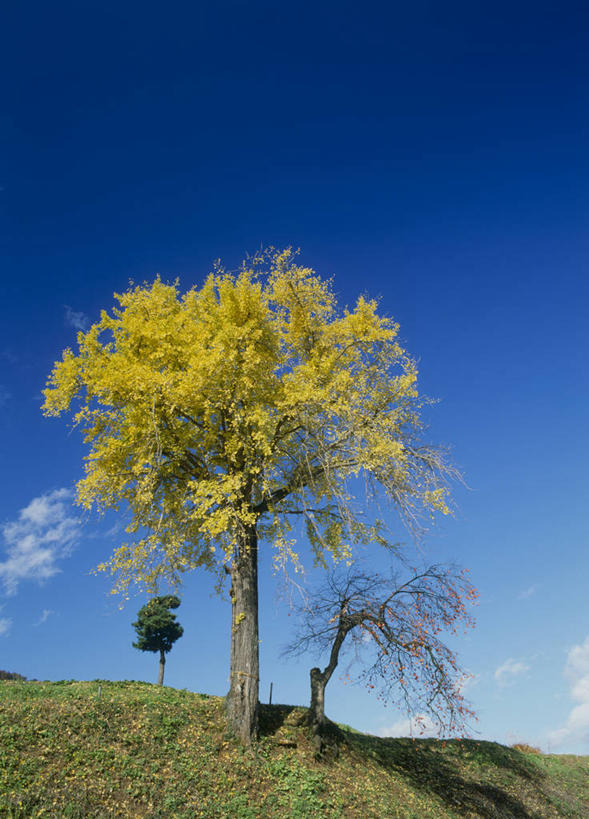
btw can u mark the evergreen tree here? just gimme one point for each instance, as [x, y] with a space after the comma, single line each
[157, 629]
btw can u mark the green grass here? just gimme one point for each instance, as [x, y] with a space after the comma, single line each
[140, 750]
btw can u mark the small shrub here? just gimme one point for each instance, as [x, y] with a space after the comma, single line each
[525, 748]
[11, 675]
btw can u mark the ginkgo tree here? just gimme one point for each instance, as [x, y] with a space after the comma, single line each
[219, 416]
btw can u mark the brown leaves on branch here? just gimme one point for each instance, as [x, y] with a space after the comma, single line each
[394, 627]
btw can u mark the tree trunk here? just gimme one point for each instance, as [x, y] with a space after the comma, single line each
[160, 679]
[319, 680]
[242, 699]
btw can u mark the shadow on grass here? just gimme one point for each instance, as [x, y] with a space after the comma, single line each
[274, 717]
[441, 772]
[284, 724]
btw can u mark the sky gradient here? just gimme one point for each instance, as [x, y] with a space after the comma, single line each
[431, 155]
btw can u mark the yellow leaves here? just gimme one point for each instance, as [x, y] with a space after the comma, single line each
[365, 326]
[203, 412]
[436, 499]
[284, 549]
[62, 385]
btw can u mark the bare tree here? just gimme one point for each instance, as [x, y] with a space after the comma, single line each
[393, 626]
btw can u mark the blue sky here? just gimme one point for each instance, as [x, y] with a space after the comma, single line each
[432, 155]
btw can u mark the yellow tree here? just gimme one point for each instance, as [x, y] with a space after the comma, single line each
[216, 416]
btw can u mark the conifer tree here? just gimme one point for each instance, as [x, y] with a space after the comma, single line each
[157, 629]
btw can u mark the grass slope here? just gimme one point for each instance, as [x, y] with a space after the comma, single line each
[146, 751]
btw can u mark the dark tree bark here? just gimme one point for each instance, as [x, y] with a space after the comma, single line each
[319, 680]
[160, 679]
[242, 699]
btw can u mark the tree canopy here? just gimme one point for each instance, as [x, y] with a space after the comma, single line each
[156, 626]
[247, 400]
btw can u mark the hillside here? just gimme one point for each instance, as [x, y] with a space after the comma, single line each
[102, 749]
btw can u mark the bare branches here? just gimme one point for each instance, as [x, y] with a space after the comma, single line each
[394, 626]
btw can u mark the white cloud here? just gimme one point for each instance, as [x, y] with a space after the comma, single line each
[578, 661]
[523, 595]
[510, 669]
[43, 533]
[420, 725]
[114, 530]
[467, 681]
[44, 616]
[76, 319]
[576, 671]
[5, 623]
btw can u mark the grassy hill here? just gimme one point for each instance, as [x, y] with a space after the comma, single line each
[140, 750]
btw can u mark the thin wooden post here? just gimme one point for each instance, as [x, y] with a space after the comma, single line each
[270, 700]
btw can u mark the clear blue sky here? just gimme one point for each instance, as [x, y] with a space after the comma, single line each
[431, 154]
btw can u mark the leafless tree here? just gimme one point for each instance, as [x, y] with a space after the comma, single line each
[393, 627]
